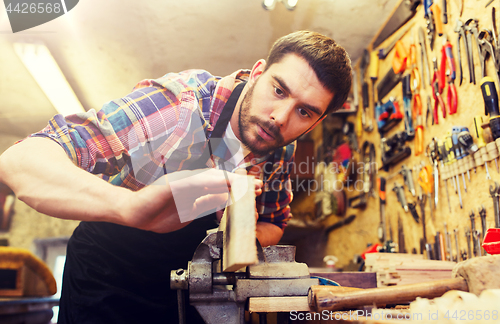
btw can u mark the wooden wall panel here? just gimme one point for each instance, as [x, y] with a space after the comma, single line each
[352, 239]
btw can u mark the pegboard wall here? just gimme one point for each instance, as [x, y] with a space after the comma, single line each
[352, 239]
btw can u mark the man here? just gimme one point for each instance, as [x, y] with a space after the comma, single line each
[161, 172]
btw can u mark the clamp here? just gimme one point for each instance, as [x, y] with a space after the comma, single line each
[221, 297]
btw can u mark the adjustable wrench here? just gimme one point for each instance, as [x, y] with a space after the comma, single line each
[473, 231]
[468, 238]
[455, 231]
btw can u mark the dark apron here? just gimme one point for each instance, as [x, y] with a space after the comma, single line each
[118, 274]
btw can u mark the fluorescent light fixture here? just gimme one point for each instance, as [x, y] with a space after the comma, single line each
[48, 75]
[270, 4]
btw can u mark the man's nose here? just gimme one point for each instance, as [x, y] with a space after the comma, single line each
[281, 113]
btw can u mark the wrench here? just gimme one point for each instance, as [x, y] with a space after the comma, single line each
[468, 237]
[494, 194]
[455, 231]
[473, 231]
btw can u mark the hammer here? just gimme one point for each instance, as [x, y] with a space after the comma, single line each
[473, 275]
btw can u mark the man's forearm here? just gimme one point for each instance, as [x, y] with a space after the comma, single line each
[268, 234]
[40, 173]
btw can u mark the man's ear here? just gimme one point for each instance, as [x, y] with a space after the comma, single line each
[257, 70]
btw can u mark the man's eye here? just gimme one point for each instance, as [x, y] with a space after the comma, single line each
[303, 112]
[278, 91]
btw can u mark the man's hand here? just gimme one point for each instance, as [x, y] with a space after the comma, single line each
[176, 199]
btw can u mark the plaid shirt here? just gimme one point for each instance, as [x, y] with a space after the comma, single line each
[162, 127]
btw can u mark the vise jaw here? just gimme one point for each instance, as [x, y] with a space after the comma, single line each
[221, 297]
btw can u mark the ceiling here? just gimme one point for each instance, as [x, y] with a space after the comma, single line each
[105, 47]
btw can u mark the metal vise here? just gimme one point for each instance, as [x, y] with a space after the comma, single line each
[220, 297]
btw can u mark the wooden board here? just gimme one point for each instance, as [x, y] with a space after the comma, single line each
[239, 226]
[278, 304]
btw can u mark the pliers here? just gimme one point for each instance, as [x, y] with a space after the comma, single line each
[448, 69]
[436, 94]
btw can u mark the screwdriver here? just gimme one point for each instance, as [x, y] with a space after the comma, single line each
[425, 180]
[381, 194]
[459, 152]
[490, 97]
[465, 139]
[481, 144]
[445, 172]
[452, 161]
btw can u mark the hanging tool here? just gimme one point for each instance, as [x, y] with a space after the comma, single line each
[355, 102]
[482, 154]
[419, 127]
[436, 94]
[468, 238]
[459, 151]
[383, 52]
[471, 30]
[407, 98]
[393, 149]
[436, 13]
[365, 61]
[373, 73]
[482, 214]
[367, 157]
[401, 236]
[432, 153]
[429, 112]
[448, 70]
[460, 30]
[405, 11]
[473, 230]
[487, 50]
[444, 167]
[461, 7]
[387, 115]
[423, 57]
[408, 179]
[425, 180]
[494, 193]
[490, 98]
[429, 20]
[400, 193]
[455, 233]
[452, 161]
[382, 225]
[394, 75]
[423, 243]
[465, 139]
[413, 211]
[448, 243]
[477, 242]
[445, 12]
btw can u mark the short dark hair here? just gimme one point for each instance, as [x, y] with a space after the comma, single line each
[330, 61]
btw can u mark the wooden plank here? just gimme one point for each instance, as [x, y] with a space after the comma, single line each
[350, 279]
[239, 226]
[278, 304]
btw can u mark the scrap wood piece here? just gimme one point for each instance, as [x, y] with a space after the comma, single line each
[239, 226]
